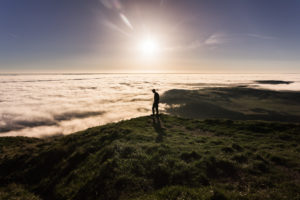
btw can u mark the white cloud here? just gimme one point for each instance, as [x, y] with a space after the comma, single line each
[191, 46]
[216, 39]
[45, 105]
[264, 37]
[112, 4]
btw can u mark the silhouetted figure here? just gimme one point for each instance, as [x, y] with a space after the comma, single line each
[155, 103]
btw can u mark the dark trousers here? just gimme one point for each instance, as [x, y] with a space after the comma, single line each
[155, 108]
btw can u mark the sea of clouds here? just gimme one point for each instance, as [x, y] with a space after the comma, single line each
[39, 105]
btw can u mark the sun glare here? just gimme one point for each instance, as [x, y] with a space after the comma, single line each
[149, 46]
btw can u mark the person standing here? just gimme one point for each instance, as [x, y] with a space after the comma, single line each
[155, 103]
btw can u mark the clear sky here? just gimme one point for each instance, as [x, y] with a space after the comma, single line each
[150, 35]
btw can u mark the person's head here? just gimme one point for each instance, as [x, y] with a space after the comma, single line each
[153, 91]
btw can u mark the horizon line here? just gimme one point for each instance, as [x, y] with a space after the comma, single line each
[90, 73]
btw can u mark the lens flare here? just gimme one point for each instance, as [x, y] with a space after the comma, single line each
[126, 21]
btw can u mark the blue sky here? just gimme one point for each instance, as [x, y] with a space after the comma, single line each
[194, 35]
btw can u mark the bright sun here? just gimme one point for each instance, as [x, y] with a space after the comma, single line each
[149, 46]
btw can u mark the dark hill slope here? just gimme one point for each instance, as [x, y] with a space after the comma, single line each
[171, 158]
[235, 103]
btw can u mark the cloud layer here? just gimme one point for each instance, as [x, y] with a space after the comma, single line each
[45, 105]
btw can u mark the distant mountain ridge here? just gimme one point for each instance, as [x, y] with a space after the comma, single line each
[236, 103]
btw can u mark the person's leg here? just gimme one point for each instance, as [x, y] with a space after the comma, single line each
[156, 108]
[153, 109]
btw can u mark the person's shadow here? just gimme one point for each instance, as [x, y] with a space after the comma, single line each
[158, 128]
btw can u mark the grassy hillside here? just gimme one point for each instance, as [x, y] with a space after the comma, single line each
[146, 158]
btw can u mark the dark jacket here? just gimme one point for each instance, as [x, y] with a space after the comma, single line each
[156, 98]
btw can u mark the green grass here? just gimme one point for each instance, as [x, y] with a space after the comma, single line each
[168, 159]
